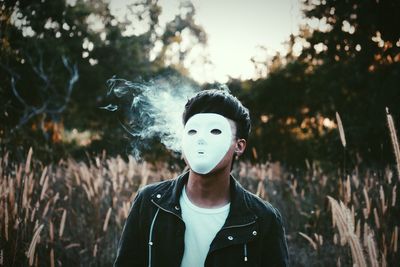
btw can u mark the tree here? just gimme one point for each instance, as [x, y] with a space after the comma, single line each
[46, 45]
[349, 64]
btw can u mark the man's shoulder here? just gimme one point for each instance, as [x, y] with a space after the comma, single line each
[261, 207]
[150, 189]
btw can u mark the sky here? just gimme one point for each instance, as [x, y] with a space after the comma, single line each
[235, 30]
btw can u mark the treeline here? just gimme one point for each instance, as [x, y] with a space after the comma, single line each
[55, 60]
[349, 64]
[56, 56]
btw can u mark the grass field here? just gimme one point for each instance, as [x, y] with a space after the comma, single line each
[71, 213]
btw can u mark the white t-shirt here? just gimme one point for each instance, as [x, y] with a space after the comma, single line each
[201, 227]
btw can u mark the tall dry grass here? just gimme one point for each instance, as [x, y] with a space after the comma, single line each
[332, 221]
[71, 213]
[364, 210]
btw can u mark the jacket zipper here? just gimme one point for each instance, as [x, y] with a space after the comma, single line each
[245, 244]
[239, 225]
[245, 251]
[158, 206]
[151, 236]
[152, 225]
[223, 228]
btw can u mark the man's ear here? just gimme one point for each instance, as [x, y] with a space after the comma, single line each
[240, 146]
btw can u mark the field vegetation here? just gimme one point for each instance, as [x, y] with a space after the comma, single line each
[71, 213]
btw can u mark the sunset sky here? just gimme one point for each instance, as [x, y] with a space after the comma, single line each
[235, 30]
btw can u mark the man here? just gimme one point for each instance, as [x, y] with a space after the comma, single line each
[204, 217]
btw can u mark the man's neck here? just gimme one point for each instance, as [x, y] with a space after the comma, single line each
[210, 190]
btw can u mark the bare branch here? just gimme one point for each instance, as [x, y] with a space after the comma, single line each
[51, 103]
[73, 70]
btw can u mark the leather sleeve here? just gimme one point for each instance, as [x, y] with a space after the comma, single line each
[131, 248]
[275, 244]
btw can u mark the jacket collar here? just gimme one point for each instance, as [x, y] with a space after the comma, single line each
[167, 198]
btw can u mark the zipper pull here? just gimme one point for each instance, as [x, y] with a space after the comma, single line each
[245, 251]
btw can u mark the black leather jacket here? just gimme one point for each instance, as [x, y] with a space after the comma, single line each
[153, 234]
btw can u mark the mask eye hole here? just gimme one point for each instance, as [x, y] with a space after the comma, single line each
[215, 131]
[192, 132]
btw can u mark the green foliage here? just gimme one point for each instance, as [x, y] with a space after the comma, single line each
[55, 59]
[350, 66]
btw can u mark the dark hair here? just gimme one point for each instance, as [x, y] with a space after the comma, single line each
[222, 103]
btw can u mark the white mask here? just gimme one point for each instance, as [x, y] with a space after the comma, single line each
[206, 139]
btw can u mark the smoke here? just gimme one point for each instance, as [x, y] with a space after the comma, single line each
[151, 111]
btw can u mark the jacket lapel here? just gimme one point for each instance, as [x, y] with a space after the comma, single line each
[241, 220]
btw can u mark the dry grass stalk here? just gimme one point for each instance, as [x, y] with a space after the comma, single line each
[355, 179]
[358, 229]
[36, 226]
[33, 214]
[31, 251]
[341, 130]
[373, 256]
[73, 245]
[44, 187]
[77, 179]
[25, 194]
[356, 202]
[261, 190]
[11, 194]
[345, 224]
[335, 238]
[46, 208]
[293, 186]
[95, 250]
[56, 197]
[366, 210]
[309, 239]
[6, 220]
[125, 209]
[87, 192]
[26, 214]
[105, 225]
[395, 142]
[15, 210]
[131, 168]
[254, 152]
[339, 219]
[31, 183]
[347, 195]
[52, 258]
[394, 195]
[384, 263]
[376, 217]
[356, 251]
[62, 224]
[395, 237]
[388, 175]
[382, 199]
[319, 239]
[51, 231]
[145, 175]
[367, 231]
[44, 172]
[18, 175]
[28, 161]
